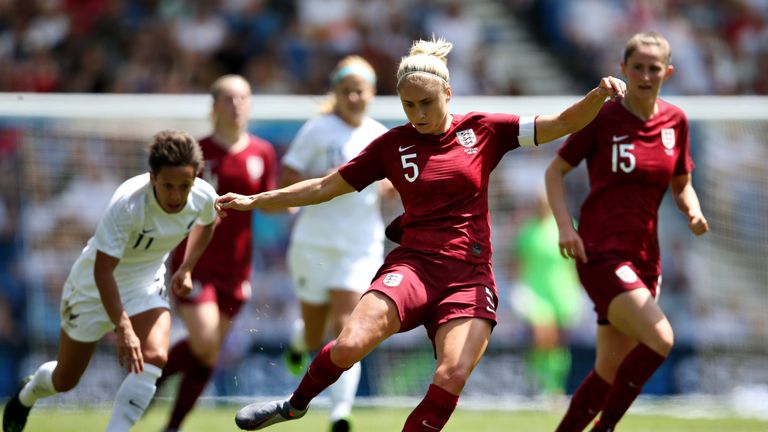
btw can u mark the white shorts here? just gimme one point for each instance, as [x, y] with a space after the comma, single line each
[317, 270]
[86, 320]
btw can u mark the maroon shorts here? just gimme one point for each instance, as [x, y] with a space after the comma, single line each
[606, 276]
[431, 289]
[228, 293]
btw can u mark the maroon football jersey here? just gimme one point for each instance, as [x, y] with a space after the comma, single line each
[630, 163]
[442, 180]
[249, 171]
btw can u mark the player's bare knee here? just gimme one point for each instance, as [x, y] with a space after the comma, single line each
[664, 344]
[156, 357]
[209, 358]
[452, 377]
[345, 353]
[207, 354]
[661, 339]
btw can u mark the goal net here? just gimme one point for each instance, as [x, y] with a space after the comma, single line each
[62, 156]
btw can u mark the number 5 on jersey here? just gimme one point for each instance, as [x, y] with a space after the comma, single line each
[411, 169]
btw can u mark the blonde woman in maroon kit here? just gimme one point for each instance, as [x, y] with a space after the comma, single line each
[440, 276]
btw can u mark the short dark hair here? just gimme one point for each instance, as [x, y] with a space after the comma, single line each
[174, 148]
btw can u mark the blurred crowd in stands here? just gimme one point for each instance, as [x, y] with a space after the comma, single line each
[719, 46]
[180, 46]
[287, 46]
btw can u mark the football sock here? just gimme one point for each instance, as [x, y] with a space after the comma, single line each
[179, 358]
[322, 372]
[586, 402]
[631, 376]
[40, 386]
[433, 411]
[133, 397]
[193, 382]
[343, 392]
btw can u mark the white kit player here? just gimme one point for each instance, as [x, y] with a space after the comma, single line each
[336, 247]
[118, 282]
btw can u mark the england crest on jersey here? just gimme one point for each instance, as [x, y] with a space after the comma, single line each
[255, 167]
[626, 274]
[467, 138]
[393, 279]
[668, 139]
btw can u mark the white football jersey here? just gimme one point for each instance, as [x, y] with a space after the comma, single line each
[141, 234]
[350, 222]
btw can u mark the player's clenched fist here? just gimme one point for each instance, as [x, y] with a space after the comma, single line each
[698, 224]
[613, 86]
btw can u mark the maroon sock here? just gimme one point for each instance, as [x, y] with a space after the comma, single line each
[631, 376]
[433, 412]
[586, 402]
[179, 358]
[320, 374]
[193, 383]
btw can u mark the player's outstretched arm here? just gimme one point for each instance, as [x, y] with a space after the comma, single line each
[307, 192]
[578, 115]
[687, 201]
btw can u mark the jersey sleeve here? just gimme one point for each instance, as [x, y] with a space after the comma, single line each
[207, 214]
[115, 228]
[514, 131]
[579, 144]
[684, 163]
[302, 149]
[368, 166]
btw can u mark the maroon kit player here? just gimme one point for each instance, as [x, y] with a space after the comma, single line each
[440, 276]
[234, 161]
[634, 150]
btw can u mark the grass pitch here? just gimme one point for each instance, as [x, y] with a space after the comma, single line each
[211, 418]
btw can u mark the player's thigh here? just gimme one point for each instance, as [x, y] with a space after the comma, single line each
[610, 349]
[636, 314]
[342, 304]
[72, 360]
[202, 321]
[462, 341]
[374, 319]
[153, 328]
[460, 344]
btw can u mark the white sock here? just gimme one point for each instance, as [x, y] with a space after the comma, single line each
[343, 392]
[133, 397]
[298, 343]
[40, 386]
